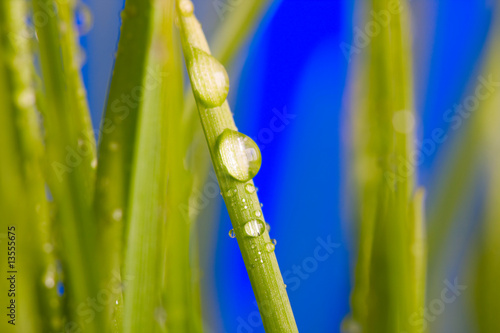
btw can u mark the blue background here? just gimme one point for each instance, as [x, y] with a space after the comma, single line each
[294, 62]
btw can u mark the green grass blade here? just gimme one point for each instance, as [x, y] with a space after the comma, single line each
[487, 273]
[22, 188]
[390, 218]
[210, 90]
[69, 161]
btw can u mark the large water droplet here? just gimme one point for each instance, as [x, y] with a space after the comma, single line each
[239, 154]
[254, 228]
[232, 234]
[208, 78]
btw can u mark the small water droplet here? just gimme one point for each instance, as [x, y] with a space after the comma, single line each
[116, 302]
[239, 154]
[268, 227]
[270, 247]
[113, 146]
[243, 200]
[84, 18]
[349, 325]
[117, 214]
[50, 281]
[258, 213]
[160, 315]
[186, 7]
[261, 205]
[250, 188]
[254, 228]
[208, 78]
[232, 234]
[274, 241]
[230, 192]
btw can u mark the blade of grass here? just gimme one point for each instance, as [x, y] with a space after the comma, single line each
[487, 272]
[22, 187]
[265, 276]
[391, 255]
[147, 204]
[69, 155]
[117, 141]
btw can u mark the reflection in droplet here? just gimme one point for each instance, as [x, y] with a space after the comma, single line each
[254, 228]
[232, 234]
[239, 154]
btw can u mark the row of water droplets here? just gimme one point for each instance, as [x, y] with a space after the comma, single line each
[239, 154]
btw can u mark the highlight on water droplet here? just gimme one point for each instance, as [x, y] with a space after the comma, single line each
[232, 234]
[84, 18]
[239, 154]
[208, 78]
[250, 188]
[270, 247]
[254, 228]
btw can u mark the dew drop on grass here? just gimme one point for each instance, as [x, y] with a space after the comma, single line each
[84, 18]
[250, 188]
[268, 227]
[232, 234]
[239, 154]
[258, 213]
[274, 241]
[160, 315]
[117, 214]
[349, 325]
[254, 228]
[270, 247]
[208, 78]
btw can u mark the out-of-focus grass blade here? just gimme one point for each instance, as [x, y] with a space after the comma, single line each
[487, 274]
[69, 154]
[23, 203]
[390, 216]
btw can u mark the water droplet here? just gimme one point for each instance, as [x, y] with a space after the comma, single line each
[250, 188]
[93, 164]
[254, 228]
[186, 7]
[349, 325]
[113, 146]
[239, 154]
[270, 247]
[403, 121]
[26, 98]
[84, 19]
[274, 241]
[161, 315]
[208, 78]
[232, 234]
[116, 302]
[243, 200]
[230, 193]
[262, 205]
[117, 214]
[258, 213]
[268, 227]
